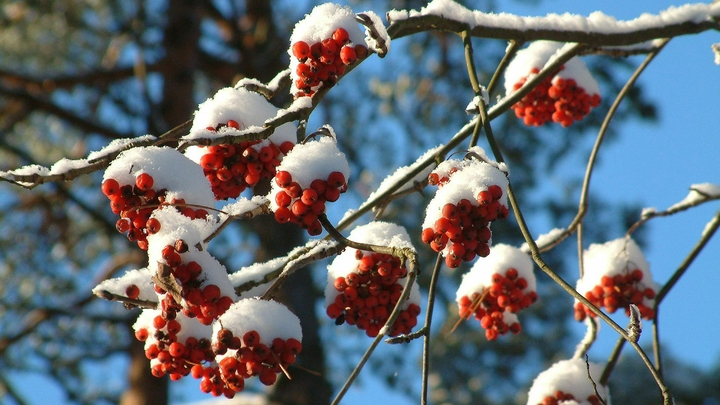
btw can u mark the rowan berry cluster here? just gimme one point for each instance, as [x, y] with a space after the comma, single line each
[232, 168]
[564, 97]
[135, 203]
[367, 295]
[508, 293]
[245, 357]
[169, 351]
[322, 63]
[202, 300]
[613, 284]
[302, 206]
[562, 397]
[619, 291]
[460, 227]
[561, 100]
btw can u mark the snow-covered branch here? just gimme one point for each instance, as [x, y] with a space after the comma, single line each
[595, 30]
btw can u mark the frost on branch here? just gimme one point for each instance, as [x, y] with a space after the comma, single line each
[471, 194]
[496, 288]
[616, 275]
[567, 382]
[403, 171]
[322, 45]
[231, 168]
[364, 287]
[565, 97]
[313, 173]
[138, 181]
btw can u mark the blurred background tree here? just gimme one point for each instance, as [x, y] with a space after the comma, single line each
[77, 75]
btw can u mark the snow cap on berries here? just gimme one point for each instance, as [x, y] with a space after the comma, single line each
[616, 275]
[185, 180]
[616, 257]
[501, 258]
[470, 178]
[189, 327]
[375, 233]
[536, 55]
[245, 107]
[140, 278]
[322, 21]
[569, 377]
[540, 53]
[269, 319]
[312, 160]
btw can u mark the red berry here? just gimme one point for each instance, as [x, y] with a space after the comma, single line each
[110, 187]
[153, 225]
[132, 291]
[251, 338]
[144, 181]
[341, 36]
[301, 50]
[348, 55]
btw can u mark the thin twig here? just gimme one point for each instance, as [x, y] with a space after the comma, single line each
[427, 327]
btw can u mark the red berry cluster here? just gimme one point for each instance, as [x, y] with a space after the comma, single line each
[368, 295]
[205, 303]
[250, 358]
[302, 206]
[559, 100]
[322, 63]
[561, 397]
[232, 168]
[489, 306]
[616, 292]
[135, 203]
[173, 357]
[464, 227]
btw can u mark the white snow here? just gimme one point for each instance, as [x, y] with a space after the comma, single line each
[596, 22]
[543, 239]
[248, 108]
[117, 145]
[570, 377]
[501, 258]
[142, 278]
[243, 205]
[616, 257]
[269, 319]
[170, 170]
[698, 193]
[371, 42]
[392, 179]
[322, 21]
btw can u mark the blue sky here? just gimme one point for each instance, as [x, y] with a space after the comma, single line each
[654, 165]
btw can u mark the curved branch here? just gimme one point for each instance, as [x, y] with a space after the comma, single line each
[595, 31]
